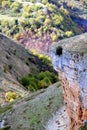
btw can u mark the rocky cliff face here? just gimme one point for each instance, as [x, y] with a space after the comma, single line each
[69, 58]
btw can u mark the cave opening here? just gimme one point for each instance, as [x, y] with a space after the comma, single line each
[59, 50]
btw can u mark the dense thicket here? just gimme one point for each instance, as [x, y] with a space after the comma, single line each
[37, 17]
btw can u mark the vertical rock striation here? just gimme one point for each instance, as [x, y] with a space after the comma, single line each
[69, 58]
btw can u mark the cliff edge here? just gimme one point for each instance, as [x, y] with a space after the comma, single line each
[69, 58]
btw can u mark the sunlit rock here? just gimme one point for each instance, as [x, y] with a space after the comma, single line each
[69, 58]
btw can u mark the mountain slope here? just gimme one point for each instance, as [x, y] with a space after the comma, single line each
[15, 62]
[33, 112]
[37, 23]
[13, 59]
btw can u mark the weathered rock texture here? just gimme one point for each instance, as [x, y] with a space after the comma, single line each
[69, 58]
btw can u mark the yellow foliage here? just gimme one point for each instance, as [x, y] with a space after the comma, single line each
[40, 56]
[10, 96]
[64, 10]
[27, 9]
[11, 100]
[51, 7]
[44, 1]
[48, 58]
[47, 21]
[34, 52]
[54, 37]
[69, 33]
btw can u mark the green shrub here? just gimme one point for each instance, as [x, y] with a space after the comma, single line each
[40, 80]
[25, 15]
[45, 82]
[47, 21]
[30, 82]
[25, 81]
[64, 11]
[41, 75]
[57, 19]
[16, 6]
[39, 19]
[6, 4]
[51, 7]
[34, 86]
[15, 10]
[4, 23]
[44, 2]
[53, 78]
[27, 9]
[36, 7]
[31, 88]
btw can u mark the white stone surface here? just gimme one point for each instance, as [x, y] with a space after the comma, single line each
[2, 123]
[60, 121]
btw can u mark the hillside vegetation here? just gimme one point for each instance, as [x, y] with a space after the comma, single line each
[30, 91]
[36, 24]
[21, 71]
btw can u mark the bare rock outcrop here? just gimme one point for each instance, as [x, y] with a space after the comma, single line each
[69, 58]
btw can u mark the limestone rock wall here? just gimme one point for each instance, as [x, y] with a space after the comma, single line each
[72, 69]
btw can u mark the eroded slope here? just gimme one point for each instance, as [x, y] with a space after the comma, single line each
[33, 112]
[15, 62]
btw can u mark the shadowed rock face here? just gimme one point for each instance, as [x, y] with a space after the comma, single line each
[69, 58]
